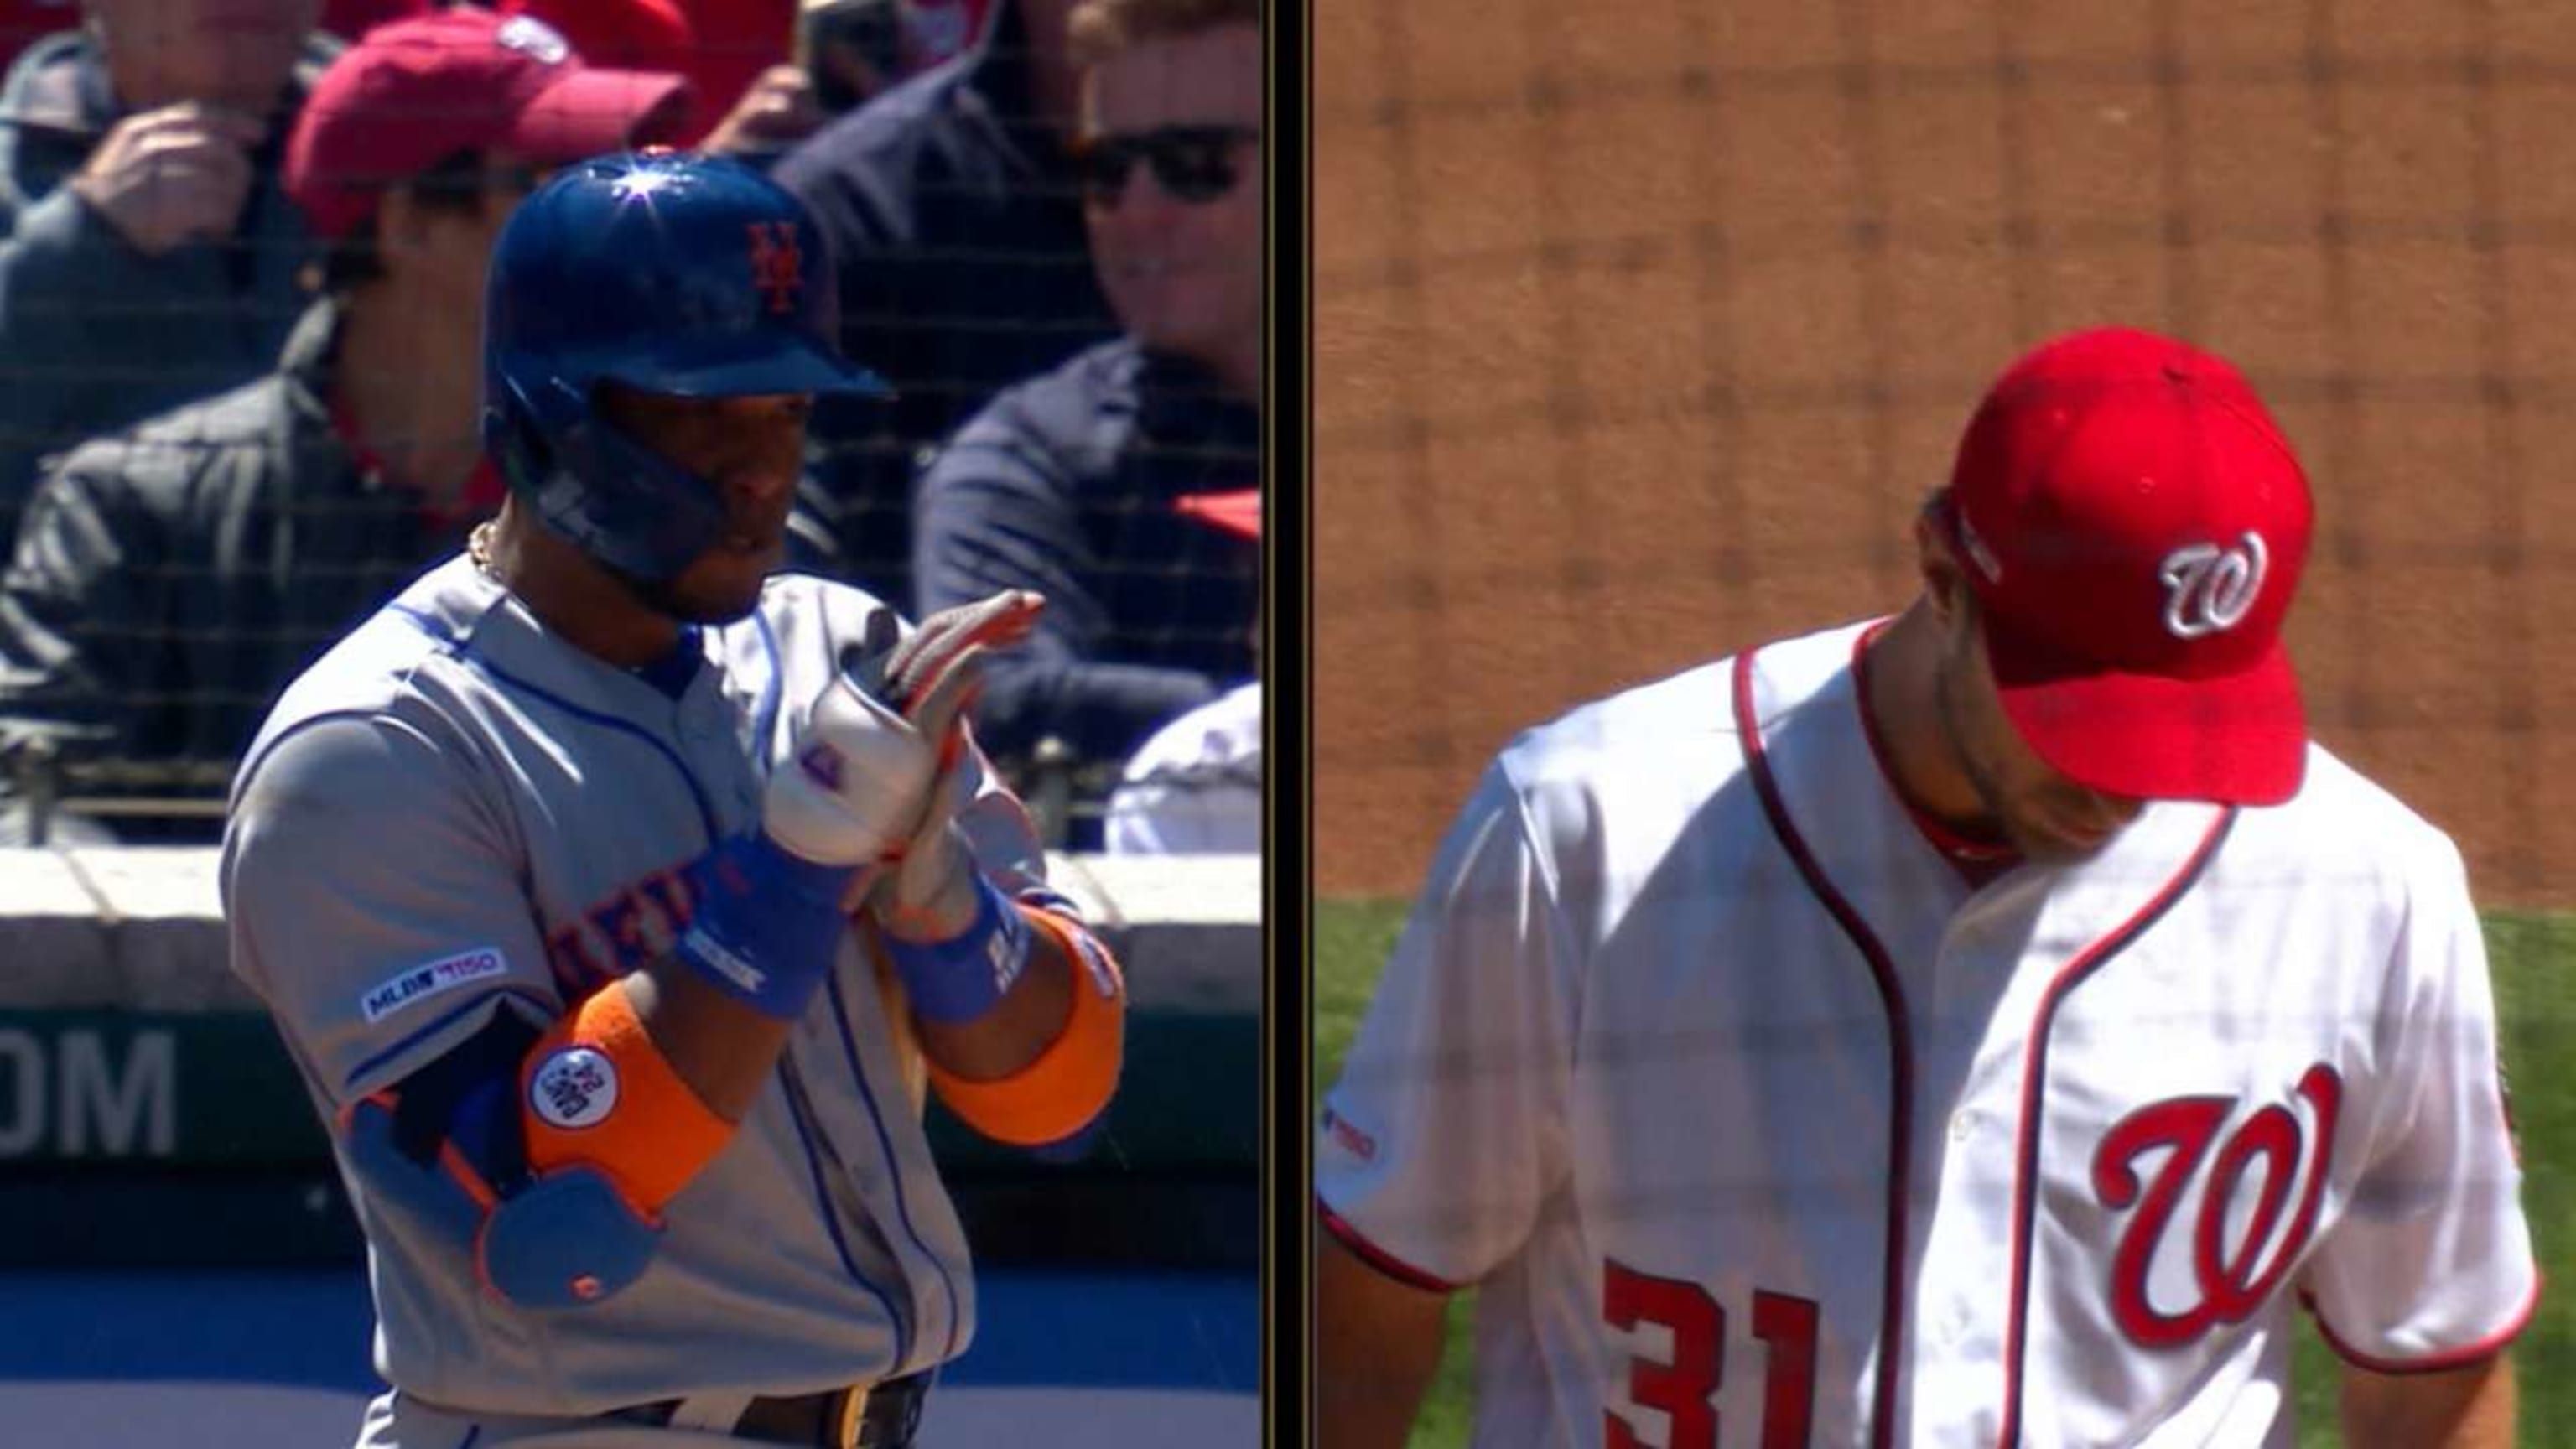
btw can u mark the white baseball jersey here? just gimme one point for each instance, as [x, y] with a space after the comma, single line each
[515, 817]
[1757, 1125]
[1194, 786]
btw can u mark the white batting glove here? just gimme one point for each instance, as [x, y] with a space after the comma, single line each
[870, 782]
[858, 784]
[930, 894]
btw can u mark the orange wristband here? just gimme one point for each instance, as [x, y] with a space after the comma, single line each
[1058, 1094]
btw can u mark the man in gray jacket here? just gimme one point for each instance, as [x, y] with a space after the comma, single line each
[169, 579]
[147, 252]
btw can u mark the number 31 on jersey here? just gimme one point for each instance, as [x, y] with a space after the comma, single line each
[1684, 1386]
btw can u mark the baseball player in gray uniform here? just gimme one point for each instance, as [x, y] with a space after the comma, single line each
[620, 901]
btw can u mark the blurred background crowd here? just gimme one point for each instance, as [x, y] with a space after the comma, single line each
[242, 246]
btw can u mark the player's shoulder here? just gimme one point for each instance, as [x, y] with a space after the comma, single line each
[2342, 819]
[1682, 725]
[387, 668]
[1603, 738]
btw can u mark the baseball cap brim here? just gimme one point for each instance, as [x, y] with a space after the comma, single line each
[2234, 739]
[589, 112]
[801, 366]
[1237, 511]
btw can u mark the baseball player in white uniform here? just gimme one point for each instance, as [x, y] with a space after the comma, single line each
[1980, 1027]
[620, 901]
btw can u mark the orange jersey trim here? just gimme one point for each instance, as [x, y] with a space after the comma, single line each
[1058, 1094]
[652, 1139]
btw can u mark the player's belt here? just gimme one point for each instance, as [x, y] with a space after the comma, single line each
[864, 1416]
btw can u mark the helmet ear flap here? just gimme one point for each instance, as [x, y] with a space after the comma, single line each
[514, 438]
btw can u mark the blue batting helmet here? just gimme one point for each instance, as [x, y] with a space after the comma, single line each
[667, 272]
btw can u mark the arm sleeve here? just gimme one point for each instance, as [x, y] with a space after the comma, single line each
[375, 905]
[992, 518]
[2431, 1265]
[1446, 1131]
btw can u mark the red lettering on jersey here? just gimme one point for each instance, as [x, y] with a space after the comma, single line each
[1354, 1141]
[777, 264]
[633, 926]
[1683, 1386]
[2233, 1279]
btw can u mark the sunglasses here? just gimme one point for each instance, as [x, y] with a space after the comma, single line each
[1192, 164]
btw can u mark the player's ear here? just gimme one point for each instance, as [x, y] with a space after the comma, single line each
[1943, 584]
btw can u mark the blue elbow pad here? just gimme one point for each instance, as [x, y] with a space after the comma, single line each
[566, 1239]
[446, 1149]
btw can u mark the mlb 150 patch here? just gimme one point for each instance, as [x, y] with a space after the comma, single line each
[419, 983]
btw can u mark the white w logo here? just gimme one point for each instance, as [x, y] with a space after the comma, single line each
[2209, 589]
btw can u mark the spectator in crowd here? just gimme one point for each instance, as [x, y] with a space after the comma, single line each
[1194, 787]
[956, 223]
[745, 97]
[1069, 483]
[938, 31]
[24, 22]
[147, 254]
[855, 50]
[351, 19]
[171, 578]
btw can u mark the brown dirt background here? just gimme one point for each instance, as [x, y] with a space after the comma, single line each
[1641, 326]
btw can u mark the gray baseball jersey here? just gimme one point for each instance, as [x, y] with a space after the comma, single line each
[455, 814]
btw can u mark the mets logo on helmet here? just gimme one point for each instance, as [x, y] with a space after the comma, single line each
[2209, 589]
[777, 263]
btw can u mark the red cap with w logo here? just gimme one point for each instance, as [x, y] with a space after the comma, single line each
[2133, 523]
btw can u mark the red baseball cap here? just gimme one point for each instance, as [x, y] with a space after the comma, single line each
[1237, 511]
[414, 91]
[2133, 524]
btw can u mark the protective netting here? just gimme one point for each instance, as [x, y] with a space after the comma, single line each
[1642, 326]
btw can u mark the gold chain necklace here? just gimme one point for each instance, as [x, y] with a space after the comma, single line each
[478, 547]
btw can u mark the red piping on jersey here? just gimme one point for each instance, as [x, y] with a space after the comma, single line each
[1900, 1049]
[2449, 1358]
[1377, 1257]
[2033, 1087]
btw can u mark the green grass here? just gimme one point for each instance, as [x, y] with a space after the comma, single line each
[2534, 960]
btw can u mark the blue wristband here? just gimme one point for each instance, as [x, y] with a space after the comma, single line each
[963, 977]
[767, 924]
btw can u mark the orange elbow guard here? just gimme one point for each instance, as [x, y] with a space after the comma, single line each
[1070, 1082]
[598, 1093]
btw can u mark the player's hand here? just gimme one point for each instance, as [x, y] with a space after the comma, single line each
[777, 111]
[930, 894]
[918, 667]
[169, 176]
[864, 780]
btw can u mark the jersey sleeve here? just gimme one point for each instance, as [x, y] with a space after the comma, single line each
[1446, 1130]
[374, 905]
[2431, 1265]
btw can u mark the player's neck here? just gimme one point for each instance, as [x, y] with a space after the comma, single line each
[574, 597]
[1903, 700]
